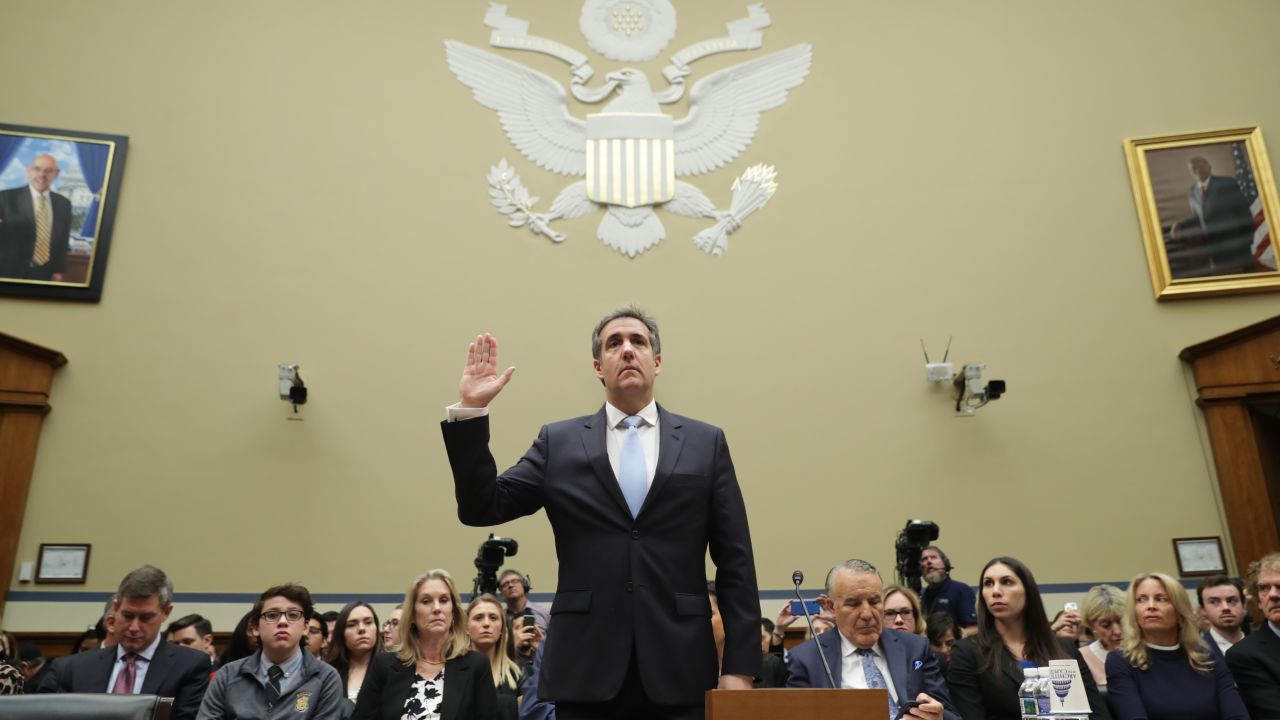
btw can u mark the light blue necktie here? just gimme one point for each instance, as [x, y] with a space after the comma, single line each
[633, 476]
[875, 680]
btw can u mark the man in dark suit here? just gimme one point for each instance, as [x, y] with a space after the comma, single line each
[863, 655]
[635, 496]
[142, 662]
[1222, 224]
[35, 226]
[1255, 660]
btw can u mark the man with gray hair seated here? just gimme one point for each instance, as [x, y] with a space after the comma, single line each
[862, 654]
[140, 662]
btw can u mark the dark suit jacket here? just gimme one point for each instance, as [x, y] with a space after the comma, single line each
[1225, 223]
[983, 695]
[626, 585]
[175, 671]
[468, 689]
[18, 234]
[1255, 664]
[912, 667]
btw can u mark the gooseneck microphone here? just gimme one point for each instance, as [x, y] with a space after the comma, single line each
[797, 578]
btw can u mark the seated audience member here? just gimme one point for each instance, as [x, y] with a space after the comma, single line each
[91, 639]
[140, 662]
[1222, 606]
[943, 594]
[1102, 611]
[862, 654]
[433, 674]
[1066, 624]
[766, 634]
[514, 587]
[1013, 633]
[779, 630]
[489, 634]
[943, 634]
[193, 631]
[902, 611]
[1163, 669]
[1255, 660]
[34, 666]
[391, 628]
[355, 642]
[317, 632]
[329, 619]
[280, 680]
[243, 642]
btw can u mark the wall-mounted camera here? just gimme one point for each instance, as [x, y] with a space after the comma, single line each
[971, 394]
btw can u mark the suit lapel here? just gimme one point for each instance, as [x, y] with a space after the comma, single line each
[670, 442]
[895, 657]
[161, 661]
[456, 680]
[1011, 668]
[593, 441]
[100, 671]
[829, 643]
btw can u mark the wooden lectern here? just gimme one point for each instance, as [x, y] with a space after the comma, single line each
[772, 704]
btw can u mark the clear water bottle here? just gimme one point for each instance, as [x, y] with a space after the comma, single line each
[1027, 693]
[1044, 694]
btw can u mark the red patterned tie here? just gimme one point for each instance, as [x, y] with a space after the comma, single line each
[129, 673]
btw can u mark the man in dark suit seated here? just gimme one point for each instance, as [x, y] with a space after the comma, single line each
[1255, 660]
[141, 662]
[862, 654]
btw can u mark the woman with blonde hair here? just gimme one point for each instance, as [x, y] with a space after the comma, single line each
[1162, 669]
[433, 673]
[903, 611]
[490, 634]
[1101, 611]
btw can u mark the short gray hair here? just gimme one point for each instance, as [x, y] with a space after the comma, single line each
[144, 582]
[855, 566]
[631, 311]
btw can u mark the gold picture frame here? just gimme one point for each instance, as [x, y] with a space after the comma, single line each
[1195, 223]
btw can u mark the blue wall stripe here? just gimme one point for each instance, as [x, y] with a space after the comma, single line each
[383, 598]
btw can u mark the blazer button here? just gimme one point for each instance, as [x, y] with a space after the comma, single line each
[635, 534]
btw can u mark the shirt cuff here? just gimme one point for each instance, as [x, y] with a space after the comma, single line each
[456, 412]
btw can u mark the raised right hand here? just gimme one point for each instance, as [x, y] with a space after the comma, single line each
[480, 382]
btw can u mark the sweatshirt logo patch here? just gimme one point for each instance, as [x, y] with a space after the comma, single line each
[302, 701]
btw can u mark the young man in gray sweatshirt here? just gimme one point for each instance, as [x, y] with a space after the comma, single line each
[282, 680]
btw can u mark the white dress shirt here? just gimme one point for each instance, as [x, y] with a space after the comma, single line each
[648, 432]
[851, 675]
[140, 666]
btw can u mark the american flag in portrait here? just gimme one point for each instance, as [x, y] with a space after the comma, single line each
[1264, 252]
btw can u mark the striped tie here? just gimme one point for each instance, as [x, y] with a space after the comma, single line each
[41, 254]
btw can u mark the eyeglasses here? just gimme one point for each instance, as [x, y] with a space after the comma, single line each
[391, 624]
[905, 614]
[275, 615]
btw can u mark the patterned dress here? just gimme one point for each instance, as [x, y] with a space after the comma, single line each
[424, 701]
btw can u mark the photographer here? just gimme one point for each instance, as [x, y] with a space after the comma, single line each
[944, 595]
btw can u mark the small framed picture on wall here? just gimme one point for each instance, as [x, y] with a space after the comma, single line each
[1199, 556]
[62, 563]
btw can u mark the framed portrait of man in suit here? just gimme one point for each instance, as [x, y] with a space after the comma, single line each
[1206, 205]
[58, 195]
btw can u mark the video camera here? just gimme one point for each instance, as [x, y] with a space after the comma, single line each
[912, 540]
[489, 558]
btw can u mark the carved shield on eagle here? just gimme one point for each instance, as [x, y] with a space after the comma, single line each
[630, 158]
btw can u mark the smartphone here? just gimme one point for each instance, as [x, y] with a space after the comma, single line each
[528, 619]
[905, 708]
[1070, 607]
[798, 608]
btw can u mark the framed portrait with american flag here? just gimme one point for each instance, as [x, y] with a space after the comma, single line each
[1206, 203]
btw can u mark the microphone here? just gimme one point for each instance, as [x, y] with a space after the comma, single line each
[797, 577]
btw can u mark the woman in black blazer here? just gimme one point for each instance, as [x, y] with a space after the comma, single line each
[433, 671]
[1013, 631]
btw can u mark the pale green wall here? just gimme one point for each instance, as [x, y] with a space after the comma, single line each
[305, 183]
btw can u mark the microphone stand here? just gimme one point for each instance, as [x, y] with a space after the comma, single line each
[797, 577]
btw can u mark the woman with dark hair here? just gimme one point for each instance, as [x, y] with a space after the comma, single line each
[243, 643]
[1013, 633]
[489, 633]
[355, 641]
[433, 673]
[1163, 669]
